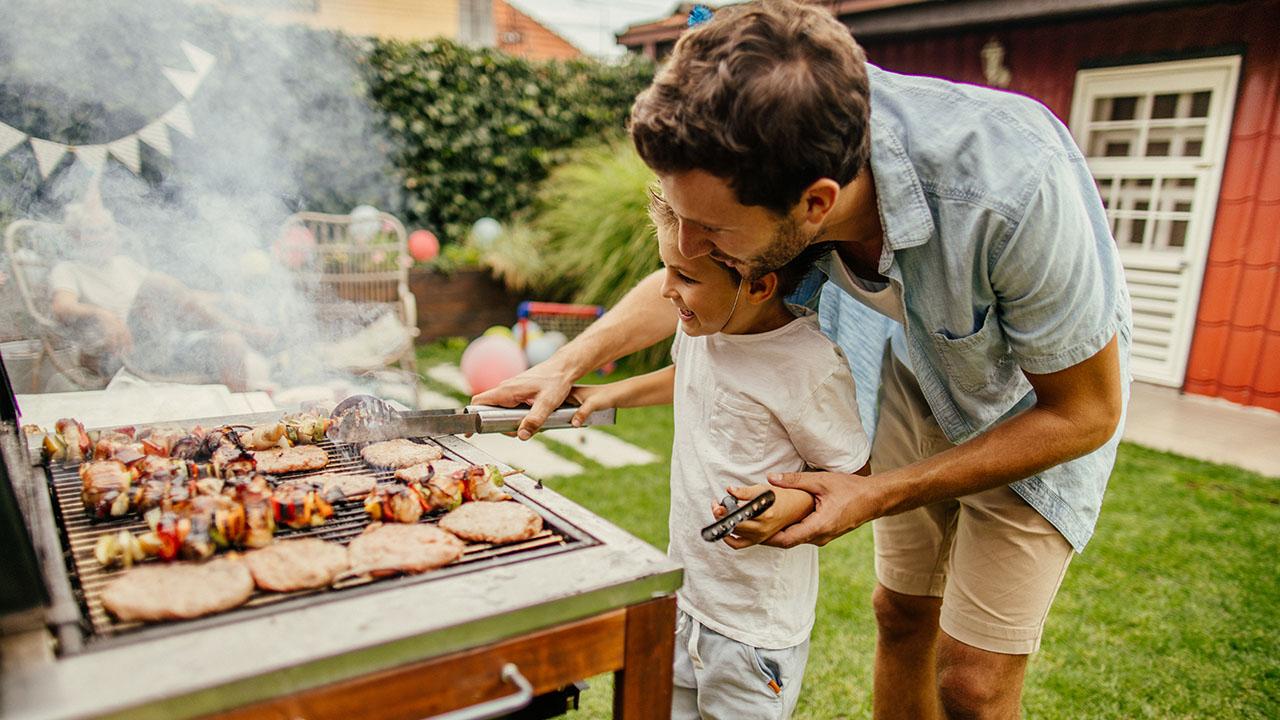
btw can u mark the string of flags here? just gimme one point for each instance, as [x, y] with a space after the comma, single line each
[126, 150]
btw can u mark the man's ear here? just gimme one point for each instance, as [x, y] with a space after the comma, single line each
[762, 289]
[818, 200]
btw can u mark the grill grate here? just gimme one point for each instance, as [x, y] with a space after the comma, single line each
[80, 534]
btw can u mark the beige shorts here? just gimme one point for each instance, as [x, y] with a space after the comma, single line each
[995, 562]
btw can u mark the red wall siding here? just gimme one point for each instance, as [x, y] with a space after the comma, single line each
[1235, 352]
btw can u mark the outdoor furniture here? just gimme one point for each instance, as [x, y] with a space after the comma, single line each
[364, 284]
[32, 249]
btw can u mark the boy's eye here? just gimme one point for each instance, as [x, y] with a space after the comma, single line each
[685, 278]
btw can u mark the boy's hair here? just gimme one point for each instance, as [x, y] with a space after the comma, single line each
[790, 275]
[770, 96]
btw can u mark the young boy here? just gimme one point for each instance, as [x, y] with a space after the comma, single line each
[748, 380]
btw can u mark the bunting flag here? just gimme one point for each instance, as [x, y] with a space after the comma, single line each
[48, 155]
[126, 149]
[179, 119]
[157, 136]
[10, 138]
[93, 156]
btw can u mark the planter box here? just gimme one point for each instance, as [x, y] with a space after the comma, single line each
[461, 304]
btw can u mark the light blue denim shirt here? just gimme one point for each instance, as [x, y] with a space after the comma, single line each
[997, 239]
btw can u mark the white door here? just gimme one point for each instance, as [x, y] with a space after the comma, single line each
[1155, 136]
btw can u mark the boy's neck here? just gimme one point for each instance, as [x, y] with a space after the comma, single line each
[769, 316]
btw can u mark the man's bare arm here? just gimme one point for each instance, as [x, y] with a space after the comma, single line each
[1076, 412]
[639, 320]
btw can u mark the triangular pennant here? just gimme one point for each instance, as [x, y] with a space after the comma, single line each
[10, 138]
[126, 151]
[179, 119]
[48, 155]
[157, 136]
[199, 59]
[93, 156]
[186, 81]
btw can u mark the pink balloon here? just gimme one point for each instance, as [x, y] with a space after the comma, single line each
[295, 247]
[489, 360]
[423, 245]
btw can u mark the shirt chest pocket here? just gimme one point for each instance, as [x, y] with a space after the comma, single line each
[978, 361]
[739, 427]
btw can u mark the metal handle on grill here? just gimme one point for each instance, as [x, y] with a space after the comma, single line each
[501, 420]
[497, 707]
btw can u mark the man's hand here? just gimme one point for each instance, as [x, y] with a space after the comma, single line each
[790, 506]
[543, 387]
[841, 503]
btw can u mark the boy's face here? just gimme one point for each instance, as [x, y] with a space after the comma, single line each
[748, 238]
[702, 291]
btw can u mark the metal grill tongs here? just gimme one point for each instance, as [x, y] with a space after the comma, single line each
[365, 418]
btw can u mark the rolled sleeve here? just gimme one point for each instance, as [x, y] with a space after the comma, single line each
[1054, 277]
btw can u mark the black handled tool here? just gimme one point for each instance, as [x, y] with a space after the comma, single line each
[737, 514]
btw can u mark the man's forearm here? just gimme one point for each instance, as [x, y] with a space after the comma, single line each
[639, 320]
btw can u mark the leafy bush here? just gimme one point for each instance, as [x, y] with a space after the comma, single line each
[478, 129]
[589, 238]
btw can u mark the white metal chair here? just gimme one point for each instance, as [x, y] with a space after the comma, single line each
[348, 280]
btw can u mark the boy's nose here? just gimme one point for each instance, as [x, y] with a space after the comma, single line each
[692, 243]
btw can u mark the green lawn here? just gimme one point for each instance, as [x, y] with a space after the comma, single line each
[1173, 611]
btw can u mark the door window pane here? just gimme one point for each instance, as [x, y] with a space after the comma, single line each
[1106, 109]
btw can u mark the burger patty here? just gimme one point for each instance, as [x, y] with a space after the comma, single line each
[403, 548]
[399, 453]
[352, 487]
[492, 522]
[291, 459]
[422, 472]
[297, 564]
[179, 591]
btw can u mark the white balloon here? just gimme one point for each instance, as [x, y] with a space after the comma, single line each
[485, 232]
[366, 221]
[541, 348]
[517, 332]
[556, 338]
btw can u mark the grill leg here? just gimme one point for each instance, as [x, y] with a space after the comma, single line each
[642, 688]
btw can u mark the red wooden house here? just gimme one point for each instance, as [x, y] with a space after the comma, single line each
[1177, 107]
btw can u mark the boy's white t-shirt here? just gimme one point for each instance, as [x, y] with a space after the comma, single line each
[111, 285]
[747, 406]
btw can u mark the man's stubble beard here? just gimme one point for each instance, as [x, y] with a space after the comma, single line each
[787, 243]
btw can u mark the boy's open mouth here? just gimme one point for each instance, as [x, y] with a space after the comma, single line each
[685, 313]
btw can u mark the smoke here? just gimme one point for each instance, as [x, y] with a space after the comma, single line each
[281, 123]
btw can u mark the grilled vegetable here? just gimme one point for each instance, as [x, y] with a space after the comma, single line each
[395, 503]
[483, 482]
[119, 549]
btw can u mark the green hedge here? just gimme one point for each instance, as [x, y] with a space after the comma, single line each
[478, 129]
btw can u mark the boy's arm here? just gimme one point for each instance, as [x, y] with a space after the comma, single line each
[655, 388]
[639, 320]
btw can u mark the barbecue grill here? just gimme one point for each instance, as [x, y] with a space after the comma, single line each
[482, 635]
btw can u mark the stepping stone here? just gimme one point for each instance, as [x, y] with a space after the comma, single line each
[450, 375]
[600, 446]
[428, 399]
[531, 456]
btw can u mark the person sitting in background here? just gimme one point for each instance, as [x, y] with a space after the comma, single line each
[125, 313]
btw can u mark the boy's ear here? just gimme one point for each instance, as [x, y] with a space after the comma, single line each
[762, 289]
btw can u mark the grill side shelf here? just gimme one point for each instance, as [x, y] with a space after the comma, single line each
[79, 534]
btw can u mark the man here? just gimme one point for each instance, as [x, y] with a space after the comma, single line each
[968, 230]
[124, 312]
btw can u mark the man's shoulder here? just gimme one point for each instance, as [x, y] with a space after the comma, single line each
[967, 142]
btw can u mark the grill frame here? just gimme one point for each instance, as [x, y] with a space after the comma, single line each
[78, 533]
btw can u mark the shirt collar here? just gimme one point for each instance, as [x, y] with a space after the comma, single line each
[904, 213]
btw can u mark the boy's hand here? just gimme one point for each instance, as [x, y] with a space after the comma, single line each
[788, 508]
[589, 399]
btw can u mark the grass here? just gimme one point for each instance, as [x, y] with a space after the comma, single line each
[1173, 611]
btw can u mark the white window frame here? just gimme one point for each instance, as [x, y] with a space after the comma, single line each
[1220, 75]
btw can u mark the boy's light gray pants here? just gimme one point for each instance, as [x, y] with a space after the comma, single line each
[717, 678]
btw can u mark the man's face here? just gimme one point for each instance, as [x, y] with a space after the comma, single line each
[748, 238]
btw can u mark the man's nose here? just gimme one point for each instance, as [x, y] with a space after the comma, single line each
[691, 242]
